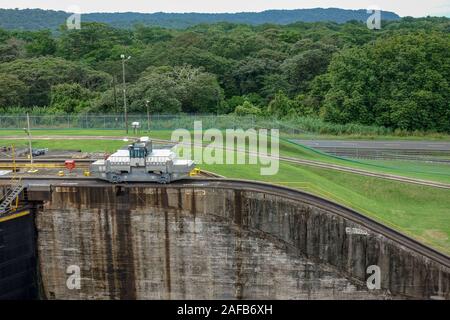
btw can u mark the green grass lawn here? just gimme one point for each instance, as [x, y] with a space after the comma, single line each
[83, 145]
[80, 132]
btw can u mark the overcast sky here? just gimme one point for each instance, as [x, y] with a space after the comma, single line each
[416, 8]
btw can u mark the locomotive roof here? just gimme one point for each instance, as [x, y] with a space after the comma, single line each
[157, 155]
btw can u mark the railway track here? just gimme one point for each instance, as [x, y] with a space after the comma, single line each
[286, 192]
[41, 164]
[6, 164]
[46, 160]
[59, 163]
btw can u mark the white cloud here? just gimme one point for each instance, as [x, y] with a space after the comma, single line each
[415, 8]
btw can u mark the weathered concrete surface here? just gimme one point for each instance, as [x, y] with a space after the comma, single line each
[205, 243]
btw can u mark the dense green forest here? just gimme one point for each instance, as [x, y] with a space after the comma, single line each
[397, 77]
[35, 19]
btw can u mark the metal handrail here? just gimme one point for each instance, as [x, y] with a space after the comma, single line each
[12, 187]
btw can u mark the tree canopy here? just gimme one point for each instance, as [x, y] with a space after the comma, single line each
[396, 77]
[400, 82]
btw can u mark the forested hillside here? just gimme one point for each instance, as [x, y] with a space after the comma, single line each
[35, 19]
[397, 77]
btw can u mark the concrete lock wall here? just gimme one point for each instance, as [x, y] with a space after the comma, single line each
[217, 243]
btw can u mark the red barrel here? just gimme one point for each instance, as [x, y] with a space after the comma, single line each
[70, 164]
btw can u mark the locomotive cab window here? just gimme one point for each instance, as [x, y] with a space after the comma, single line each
[137, 153]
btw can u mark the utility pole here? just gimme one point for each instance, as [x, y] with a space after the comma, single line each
[13, 153]
[122, 56]
[115, 94]
[148, 115]
[29, 139]
[28, 131]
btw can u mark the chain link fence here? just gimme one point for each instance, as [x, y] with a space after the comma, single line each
[304, 126]
[153, 122]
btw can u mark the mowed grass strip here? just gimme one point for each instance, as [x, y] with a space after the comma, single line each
[83, 145]
[157, 134]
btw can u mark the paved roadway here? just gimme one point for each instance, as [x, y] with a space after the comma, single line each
[380, 145]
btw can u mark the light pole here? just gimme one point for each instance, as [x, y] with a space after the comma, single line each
[124, 58]
[148, 115]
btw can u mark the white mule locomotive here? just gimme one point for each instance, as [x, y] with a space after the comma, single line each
[142, 163]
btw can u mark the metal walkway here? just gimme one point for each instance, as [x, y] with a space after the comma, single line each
[10, 196]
